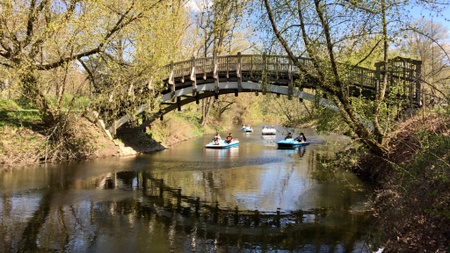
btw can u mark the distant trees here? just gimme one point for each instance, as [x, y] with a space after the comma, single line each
[218, 30]
[429, 42]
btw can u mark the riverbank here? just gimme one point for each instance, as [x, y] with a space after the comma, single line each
[28, 142]
[412, 186]
[28, 145]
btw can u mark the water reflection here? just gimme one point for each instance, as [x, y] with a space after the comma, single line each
[221, 153]
[186, 199]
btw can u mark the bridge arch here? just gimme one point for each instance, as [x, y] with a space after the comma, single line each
[195, 79]
[184, 96]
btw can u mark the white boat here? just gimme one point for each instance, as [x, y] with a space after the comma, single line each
[246, 129]
[269, 131]
[222, 144]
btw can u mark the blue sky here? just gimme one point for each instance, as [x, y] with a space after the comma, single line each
[442, 17]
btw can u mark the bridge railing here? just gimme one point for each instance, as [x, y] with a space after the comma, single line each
[402, 75]
[251, 62]
[361, 77]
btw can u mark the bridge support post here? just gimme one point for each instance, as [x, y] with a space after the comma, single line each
[291, 81]
[216, 76]
[172, 80]
[239, 71]
[193, 77]
[264, 81]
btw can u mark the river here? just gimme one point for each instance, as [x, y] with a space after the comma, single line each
[251, 198]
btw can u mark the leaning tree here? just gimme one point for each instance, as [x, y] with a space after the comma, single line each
[335, 35]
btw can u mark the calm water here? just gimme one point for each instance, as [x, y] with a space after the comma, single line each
[252, 198]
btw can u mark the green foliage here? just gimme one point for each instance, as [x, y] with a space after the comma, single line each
[71, 102]
[12, 114]
[329, 121]
[176, 127]
[25, 103]
[10, 105]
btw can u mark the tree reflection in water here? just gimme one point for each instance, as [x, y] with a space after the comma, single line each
[254, 198]
[140, 213]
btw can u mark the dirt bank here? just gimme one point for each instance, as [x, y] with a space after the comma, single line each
[20, 146]
[412, 193]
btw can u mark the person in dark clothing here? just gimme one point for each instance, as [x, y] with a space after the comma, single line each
[288, 136]
[229, 138]
[301, 138]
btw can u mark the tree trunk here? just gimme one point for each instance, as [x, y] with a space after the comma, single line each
[31, 91]
[206, 107]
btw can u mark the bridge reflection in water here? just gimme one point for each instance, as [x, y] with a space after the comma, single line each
[168, 202]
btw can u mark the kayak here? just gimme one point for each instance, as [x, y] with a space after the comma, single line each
[222, 144]
[291, 143]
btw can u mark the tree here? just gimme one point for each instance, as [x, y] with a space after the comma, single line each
[218, 21]
[127, 74]
[39, 36]
[328, 32]
[428, 41]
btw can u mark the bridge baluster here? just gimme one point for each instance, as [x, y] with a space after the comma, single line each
[172, 80]
[264, 80]
[239, 72]
[228, 67]
[193, 77]
[216, 75]
[204, 68]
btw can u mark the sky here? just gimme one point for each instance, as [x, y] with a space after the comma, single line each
[443, 17]
[417, 11]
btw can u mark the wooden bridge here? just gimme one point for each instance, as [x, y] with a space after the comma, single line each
[195, 79]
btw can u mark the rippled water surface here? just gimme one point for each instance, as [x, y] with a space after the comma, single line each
[251, 198]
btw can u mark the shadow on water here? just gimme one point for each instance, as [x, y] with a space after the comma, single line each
[254, 198]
